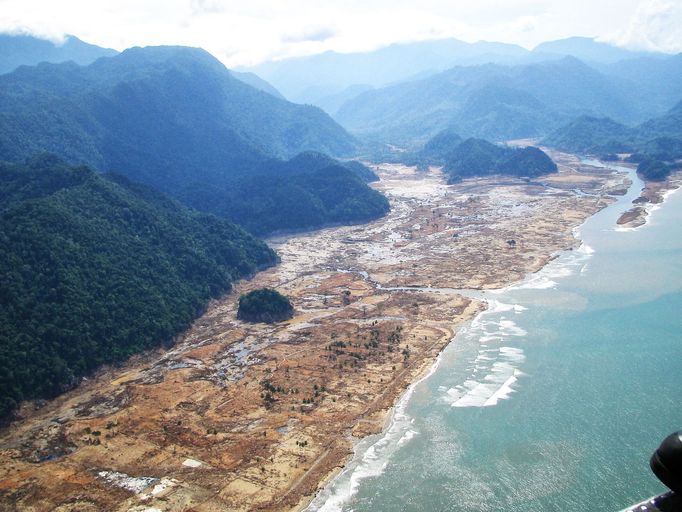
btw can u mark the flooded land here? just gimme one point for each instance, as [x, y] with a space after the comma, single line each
[239, 416]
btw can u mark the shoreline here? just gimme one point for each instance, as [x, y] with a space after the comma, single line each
[652, 196]
[330, 480]
[202, 400]
[429, 368]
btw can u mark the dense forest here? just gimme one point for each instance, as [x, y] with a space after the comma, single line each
[94, 268]
[656, 144]
[306, 192]
[478, 157]
[175, 119]
[654, 170]
[159, 115]
[264, 305]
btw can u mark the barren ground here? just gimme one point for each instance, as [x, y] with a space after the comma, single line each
[240, 416]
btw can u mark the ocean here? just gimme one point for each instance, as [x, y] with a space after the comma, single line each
[554, 398]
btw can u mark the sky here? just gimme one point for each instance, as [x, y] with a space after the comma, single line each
[246, 32]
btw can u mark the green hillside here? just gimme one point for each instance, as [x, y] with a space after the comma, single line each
[477, 157]
[94, 268]
[306, 192]
[176, 119]
[659, 138]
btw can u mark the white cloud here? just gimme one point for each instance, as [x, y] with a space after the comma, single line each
[240, 32]
[656, 25]
[310, 34]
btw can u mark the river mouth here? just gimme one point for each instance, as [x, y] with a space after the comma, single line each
[529, 407]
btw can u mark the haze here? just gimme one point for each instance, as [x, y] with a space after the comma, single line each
[245, 33]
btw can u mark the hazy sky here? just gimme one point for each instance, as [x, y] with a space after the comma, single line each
[249, 31]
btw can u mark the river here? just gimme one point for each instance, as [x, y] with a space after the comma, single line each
[554, 398]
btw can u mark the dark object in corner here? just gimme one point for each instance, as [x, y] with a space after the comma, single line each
[666, 462]
[264, 305]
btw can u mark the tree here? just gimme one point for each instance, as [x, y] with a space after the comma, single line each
[264, 305]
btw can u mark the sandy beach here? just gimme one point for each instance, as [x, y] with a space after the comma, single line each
[243, 416]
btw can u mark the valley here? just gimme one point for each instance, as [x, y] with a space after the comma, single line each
[245, 416]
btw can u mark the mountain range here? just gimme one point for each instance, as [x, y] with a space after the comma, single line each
[499, 102]
[320, 79]
[176, 119]
[99, 262]
[27, 50]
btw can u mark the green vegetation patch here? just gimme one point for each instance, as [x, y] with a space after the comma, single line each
[264, 305]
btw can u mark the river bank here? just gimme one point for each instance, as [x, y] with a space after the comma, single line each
[244, 416]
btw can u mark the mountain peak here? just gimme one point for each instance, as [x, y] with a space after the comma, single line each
[24, 49]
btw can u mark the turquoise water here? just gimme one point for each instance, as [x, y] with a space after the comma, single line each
[554, 399]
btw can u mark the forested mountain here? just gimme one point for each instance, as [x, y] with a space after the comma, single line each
[176, 119]
[25, 50]
[491, 101]
[661, 135]
[164, 116]
[306, 79]
[94, 268]
[655, 145]
[588, 134]
[19, 49]
[477, 157]
[508, 102]
[306, 192]
[436, 150]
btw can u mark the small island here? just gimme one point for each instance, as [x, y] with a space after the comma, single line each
[264, 305]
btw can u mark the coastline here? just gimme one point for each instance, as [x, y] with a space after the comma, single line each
[309, 503]
[165, 412]
[652, 196]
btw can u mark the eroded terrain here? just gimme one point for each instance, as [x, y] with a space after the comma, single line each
[239, 416]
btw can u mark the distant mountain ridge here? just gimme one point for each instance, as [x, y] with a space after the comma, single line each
[492, 101]
[315, 78]
[588, 49]
[396, 62]
[21, 49]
